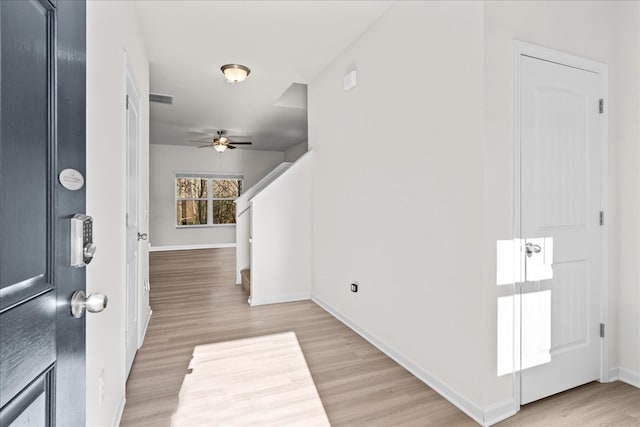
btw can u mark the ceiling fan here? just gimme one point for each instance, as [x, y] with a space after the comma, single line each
[221, 142]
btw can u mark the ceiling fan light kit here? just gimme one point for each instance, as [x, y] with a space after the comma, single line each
[222, 142]
[235, 73]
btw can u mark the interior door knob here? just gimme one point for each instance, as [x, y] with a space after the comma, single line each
[142, 236]
[94, 303]
[531, 249]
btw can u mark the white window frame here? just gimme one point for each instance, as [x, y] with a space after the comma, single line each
[210, 177]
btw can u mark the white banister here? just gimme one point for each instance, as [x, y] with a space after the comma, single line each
[281, 237]
[243, 220]
[243, 202]
[273, 234]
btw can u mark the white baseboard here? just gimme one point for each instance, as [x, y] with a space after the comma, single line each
[189, 247]
[624, 375]
[629, 377]
[120, 411]
[614, 374]
[494, 414]
[500, 411]
[253, 301]
[144, 330]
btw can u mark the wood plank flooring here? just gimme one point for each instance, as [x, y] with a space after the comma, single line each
[195, 302]
[605, 405]
[252, 381]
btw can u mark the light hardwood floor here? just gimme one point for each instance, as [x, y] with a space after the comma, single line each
[195, 302]
[251, 381]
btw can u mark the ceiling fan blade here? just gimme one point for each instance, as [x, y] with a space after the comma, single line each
[205, 146]
[238, 136]
[210, 131]
[230, 146]
[208, 139]
[242, 143]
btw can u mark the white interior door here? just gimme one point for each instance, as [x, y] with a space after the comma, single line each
[132, 190]
[560, 199]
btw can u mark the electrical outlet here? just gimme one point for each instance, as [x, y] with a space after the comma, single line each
[354, 287]
[101, 388]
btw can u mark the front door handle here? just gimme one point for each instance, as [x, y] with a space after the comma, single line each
[94, 303]
[531, 249]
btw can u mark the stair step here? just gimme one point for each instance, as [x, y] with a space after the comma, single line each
[245, 275]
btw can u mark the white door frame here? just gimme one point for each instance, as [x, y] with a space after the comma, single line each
[131, 88]
[550, 55]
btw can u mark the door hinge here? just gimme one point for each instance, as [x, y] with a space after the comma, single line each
[601, 106]
[601, 217]
[126, 102]
[601, 330]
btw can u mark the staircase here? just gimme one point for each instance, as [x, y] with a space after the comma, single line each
[243, 220]
[273, 235]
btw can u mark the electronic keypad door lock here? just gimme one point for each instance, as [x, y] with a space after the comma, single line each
[82, 246]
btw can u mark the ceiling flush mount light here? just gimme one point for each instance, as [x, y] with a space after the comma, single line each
[235, 73]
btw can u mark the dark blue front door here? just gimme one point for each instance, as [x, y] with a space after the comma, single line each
[42, 131]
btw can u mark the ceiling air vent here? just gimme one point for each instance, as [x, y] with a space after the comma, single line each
[160, 98]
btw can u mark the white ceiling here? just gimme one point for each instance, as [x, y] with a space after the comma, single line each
[283, 42]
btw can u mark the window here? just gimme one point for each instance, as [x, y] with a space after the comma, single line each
[206, 199]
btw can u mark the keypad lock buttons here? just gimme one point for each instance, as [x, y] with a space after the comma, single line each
[82, 246]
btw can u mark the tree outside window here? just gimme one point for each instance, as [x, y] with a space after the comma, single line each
[206, 200]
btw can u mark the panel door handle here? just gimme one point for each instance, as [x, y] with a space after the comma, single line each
[143, 236]
[531, 249]
[94, 303]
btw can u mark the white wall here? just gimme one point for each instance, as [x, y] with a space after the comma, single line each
[598, 30]
[406, 221]
[292, 154]
[281, 231]
[417, 224]
[422, 293]
[106, 174]
[628, 177]
[168, 159]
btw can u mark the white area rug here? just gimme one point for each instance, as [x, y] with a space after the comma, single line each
[262, 381]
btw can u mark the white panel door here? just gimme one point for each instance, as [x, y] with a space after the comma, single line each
[560, 199]
[132, 190]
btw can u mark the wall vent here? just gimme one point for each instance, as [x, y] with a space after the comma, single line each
[160, 98]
